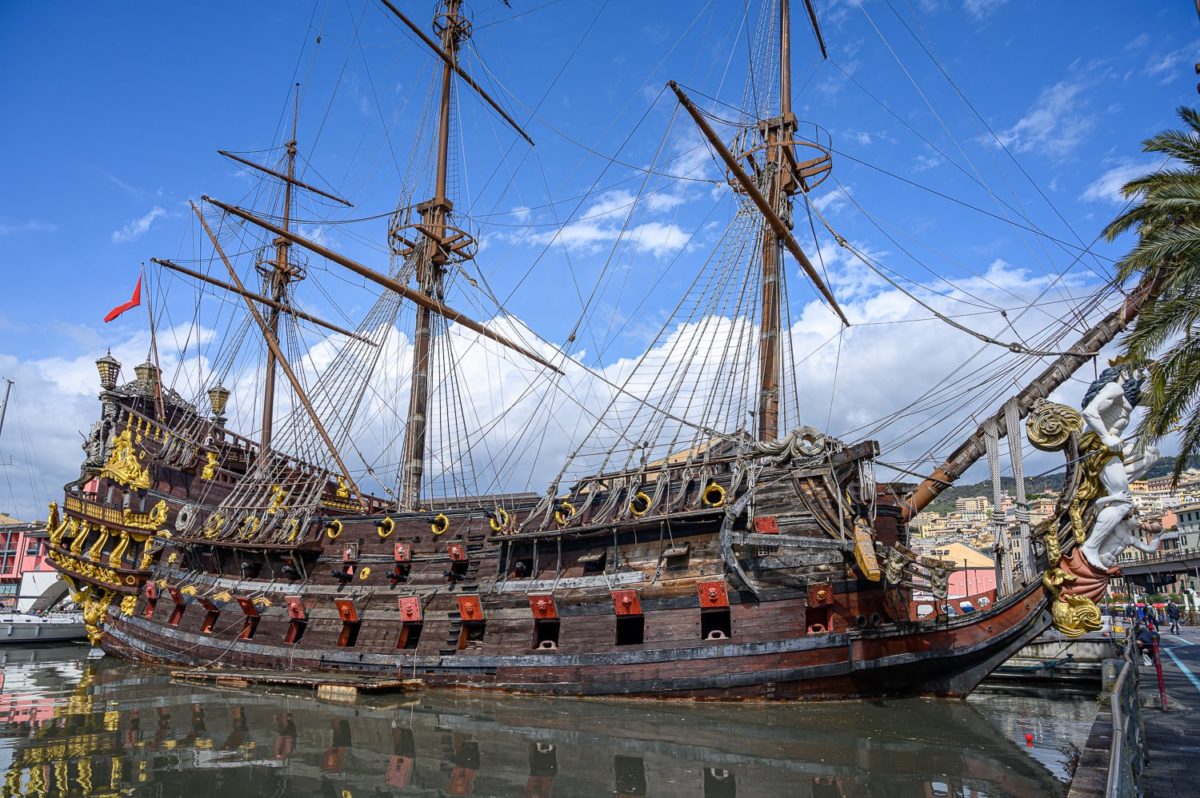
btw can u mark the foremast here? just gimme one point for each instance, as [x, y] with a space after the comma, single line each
[762, 164]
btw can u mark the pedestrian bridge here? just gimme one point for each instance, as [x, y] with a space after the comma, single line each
[1167, 563]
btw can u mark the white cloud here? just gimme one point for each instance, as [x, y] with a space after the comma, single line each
[137, 227]
[923, 163]
[602, 223]
[1165, 64]
[1107, 187]
[28, 226]
[981, 8]
[833, 201]
[1139, 41]
[657, 238]
[860, 136]
[521, 212]
[1054, 125]
[317, 233]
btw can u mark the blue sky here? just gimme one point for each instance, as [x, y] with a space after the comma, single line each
[114, 113]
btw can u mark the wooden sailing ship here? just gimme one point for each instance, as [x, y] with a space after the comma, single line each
[693, 558]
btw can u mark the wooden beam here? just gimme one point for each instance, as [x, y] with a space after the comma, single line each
[285, 178]
[280, 306]
[777, 224]
[816, 26]
[417, 297]
[273, 345]
[453, 65]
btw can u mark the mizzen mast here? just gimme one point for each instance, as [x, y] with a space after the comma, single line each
[278, 277]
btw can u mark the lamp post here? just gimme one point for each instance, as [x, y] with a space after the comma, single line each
[109, 369]
[218, 397]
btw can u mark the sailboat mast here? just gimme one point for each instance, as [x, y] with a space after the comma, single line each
[8, 384]
[777, 132]
[280, 275]
[431, 262]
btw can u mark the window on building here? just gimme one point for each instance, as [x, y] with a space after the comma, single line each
[32, 548]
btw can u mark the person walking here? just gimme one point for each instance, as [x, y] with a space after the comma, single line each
[1173, 615]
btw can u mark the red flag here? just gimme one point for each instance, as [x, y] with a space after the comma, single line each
[132, 303]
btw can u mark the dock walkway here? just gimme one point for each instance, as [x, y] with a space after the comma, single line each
[1173, 736]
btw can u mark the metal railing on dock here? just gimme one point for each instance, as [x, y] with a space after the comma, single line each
[1127, 755]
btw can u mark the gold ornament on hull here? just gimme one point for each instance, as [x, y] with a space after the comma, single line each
[123, 465]
[148, 521]
[210, 466]
[1073, 583]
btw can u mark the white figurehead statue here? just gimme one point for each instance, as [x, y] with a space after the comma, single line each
[1107, 408]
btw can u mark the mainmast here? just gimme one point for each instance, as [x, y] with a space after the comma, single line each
[432, 258]
[778, 185]
[278, 278]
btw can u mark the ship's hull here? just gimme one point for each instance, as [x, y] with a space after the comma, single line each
[946, 659]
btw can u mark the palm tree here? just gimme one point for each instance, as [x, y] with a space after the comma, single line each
[1166, 216]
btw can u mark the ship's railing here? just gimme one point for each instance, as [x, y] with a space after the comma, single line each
[1127, 754]
[98, 512]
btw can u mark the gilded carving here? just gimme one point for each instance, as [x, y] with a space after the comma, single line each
[212, 527]
[127, 604]
[1075, 586]
[80, 536]
[224, 595]
[57, 533]
[150, 521]
[1100, 515]
[118, 552]
[52, 519]
[277, 496]
[343, 490]
[210, 466]
[123, 465]
[1095, 456]
[95, 607]
[147, 554]
[250, 524]
[98, 547]
[1050, 425]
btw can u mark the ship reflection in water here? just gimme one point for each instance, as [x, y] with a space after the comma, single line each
[106, 728]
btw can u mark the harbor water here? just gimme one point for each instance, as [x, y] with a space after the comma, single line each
[74, 725]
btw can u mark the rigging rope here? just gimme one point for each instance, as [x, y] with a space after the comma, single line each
[1012, 346]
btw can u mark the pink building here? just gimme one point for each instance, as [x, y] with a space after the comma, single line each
[22, 550]
[974, 574]
[972, 582]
